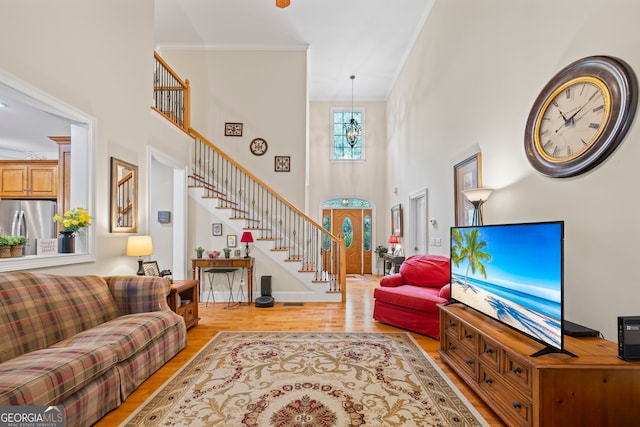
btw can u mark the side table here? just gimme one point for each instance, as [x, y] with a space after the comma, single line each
[183, 299]
[391, 263]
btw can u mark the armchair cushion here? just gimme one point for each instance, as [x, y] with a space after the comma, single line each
[426, 270]
[392, 281]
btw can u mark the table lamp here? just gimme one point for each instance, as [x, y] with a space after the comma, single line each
[247, 238]
[139, 246]
[394, 241]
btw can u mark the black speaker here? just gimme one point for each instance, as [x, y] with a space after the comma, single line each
[629, 338]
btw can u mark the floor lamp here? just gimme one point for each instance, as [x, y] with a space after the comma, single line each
[477, 197]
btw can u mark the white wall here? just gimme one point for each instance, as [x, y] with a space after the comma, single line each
[336, 179]
[264, 90]
[98, 58]
[468, 86]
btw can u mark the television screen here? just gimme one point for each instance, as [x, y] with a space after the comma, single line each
[514, 274]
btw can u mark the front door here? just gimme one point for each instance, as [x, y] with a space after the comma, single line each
[354, 226]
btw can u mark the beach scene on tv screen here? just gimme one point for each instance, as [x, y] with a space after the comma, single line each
[512, 273]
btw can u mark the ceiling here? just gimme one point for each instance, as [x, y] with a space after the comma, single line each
[366, 38]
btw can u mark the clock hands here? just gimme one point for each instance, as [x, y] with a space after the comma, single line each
[569, 121]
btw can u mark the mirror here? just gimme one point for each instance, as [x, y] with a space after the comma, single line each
[124, 197]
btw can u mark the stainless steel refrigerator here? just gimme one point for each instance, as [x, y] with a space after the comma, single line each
[30, 218]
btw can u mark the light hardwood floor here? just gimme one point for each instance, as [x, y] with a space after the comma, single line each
[356, 315]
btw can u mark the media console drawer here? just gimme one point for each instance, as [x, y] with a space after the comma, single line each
[595, 388]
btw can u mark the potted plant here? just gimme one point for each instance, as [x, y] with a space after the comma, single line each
[16, 243]
[227, 252]
[199, 251]
[72, 221]
[381, 250]
[5, 249]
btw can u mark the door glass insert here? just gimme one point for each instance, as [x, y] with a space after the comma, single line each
[367, 233]
[326, 223]
[347, 231]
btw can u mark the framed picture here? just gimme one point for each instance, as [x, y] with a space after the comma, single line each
[151, 268]
[396, 220]
[233, 129]
[216, 229]
[282, 163]
[232, 240]
[466, 175]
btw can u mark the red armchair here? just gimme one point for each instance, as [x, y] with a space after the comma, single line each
[410, 298]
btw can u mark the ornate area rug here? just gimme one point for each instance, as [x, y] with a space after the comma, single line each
[308, 379]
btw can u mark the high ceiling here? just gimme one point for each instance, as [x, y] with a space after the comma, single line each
[366, 38]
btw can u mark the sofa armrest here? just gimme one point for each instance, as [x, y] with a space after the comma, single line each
[139, 294]
[445, 292]
[392, 281]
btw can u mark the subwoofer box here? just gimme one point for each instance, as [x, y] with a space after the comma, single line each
[629, 338]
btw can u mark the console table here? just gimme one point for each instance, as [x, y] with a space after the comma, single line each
[197, 264]
[183, 299]
[393, 262]
[594, 389]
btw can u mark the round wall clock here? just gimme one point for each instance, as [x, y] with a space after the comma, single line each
[581, 116]
[258, 146]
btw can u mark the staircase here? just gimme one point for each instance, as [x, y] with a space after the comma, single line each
[282, 232]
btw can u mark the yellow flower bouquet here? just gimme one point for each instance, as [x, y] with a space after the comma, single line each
[73, 220]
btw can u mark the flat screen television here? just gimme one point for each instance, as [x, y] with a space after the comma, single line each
[514, 274]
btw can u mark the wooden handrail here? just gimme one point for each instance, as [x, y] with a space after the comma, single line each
[195, 134]
[177, 111]
[184, 87]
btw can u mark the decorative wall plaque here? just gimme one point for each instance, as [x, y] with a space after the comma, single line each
[233, 129]
[282, 163]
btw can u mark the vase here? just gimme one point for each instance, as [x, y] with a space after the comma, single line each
[66, 243]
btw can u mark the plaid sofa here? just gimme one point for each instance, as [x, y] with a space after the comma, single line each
[84, 342]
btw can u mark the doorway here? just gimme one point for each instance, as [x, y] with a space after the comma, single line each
[354, 225]
[418, 235]
[167, 192]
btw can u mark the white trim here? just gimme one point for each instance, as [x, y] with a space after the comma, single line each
[231, 47]
[84, 194]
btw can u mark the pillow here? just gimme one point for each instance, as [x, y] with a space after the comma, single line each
[426, 270]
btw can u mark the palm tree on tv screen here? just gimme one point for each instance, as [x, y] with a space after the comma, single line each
[467, 246]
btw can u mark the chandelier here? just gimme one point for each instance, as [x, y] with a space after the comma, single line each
[352, 129]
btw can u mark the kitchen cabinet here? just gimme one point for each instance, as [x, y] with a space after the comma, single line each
[33, 179]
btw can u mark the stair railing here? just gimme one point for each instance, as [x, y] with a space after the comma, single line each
[269, 215]
[172, 95]
[249, 199]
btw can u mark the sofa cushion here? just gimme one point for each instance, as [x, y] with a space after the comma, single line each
[46, 377]
[39, 310]
[426, 270]
[414, 297]
[139, 294]
[128, 334]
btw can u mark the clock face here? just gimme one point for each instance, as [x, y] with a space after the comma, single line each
[581, 116]
[572, 119]
[258, 146]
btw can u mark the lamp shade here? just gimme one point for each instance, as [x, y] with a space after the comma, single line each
[139, 246]
[475, 195]
[247, 237]
[393, 240]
